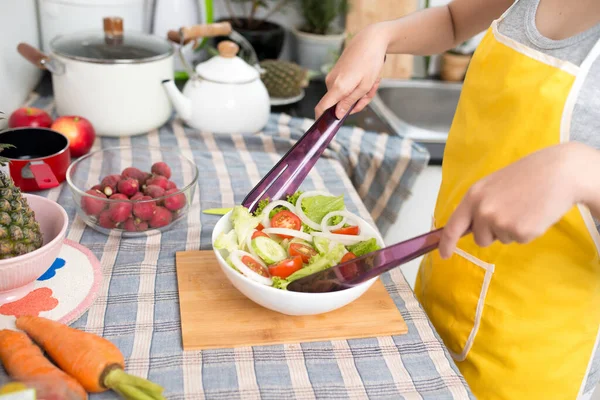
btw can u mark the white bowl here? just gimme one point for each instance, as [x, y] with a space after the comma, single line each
[284, 301]
[18, 274]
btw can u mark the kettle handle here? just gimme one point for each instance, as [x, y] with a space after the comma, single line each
[187, 34]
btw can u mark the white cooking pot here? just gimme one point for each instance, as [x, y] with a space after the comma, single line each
[110, 78]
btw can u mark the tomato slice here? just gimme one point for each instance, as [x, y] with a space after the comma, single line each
[350, 271]
[347, 257]
[258, 234]
[286, 267]
[260, 227]
[305, 251]
[286, 219]
[255, 266]
[350, 230]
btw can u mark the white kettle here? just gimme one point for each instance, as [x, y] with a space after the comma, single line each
[225, 95]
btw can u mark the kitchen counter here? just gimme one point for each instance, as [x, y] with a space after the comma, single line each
[137, 308]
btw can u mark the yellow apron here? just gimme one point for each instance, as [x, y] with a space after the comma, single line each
[521, 321]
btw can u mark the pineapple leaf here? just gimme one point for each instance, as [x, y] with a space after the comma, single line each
[4, 160]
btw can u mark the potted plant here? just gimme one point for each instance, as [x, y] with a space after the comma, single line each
[265, 36]
[455, 62]
[318, 38]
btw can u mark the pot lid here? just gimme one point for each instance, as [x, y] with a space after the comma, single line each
[227, 67]
[112, 46]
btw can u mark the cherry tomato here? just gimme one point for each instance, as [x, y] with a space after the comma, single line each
[286, 219]
[303, 250]
[350, 230]
[255, 266]
[258, 234]
[286, 267]
[347, 257]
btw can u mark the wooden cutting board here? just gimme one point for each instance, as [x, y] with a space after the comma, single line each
[366, 12]
[214, 314]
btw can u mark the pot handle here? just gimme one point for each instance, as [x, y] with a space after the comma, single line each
[195, 32]
[43, 175]
[39, 59]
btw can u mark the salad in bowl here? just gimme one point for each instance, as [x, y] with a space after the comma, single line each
[285, 240]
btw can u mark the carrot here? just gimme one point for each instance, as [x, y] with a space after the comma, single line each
[24, 361]
[96, 363]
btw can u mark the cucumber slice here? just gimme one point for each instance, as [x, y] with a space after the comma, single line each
[268, 249]
[321, 244]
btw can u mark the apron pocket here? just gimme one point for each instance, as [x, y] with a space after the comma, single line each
[453, 293]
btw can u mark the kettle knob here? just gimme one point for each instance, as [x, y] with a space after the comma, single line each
[228, 49]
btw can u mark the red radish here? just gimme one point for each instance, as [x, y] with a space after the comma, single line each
[144, 210]
[161, 168]
[161, 217]
[109, 184]
[175, 202]
[118, 196]
[92, 206]
[137, 196]
[135, 173]
[158, 180]
[97, 187]
[105, 221]
[171, 185]
[135, 225]
[128, 186]
[154, 191]
[119, 212]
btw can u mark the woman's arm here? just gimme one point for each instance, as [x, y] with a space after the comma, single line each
[435, 30]
[430, 31]
[521, 201]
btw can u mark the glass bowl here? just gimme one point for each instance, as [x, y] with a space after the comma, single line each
[109, 205]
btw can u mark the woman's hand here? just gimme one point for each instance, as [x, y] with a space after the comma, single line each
[356, 74]
[520, 202]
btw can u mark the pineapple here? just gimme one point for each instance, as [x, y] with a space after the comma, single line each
[19, 231]
[283, 79]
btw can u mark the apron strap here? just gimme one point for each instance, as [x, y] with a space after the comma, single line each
[565, 124]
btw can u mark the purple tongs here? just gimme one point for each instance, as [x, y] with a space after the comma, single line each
[289, 173]
[287, 176]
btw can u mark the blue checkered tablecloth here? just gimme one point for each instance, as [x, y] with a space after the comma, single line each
[138, 310]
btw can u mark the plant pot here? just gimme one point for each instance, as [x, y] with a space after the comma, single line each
[313, 51]
[454, 66]
[267, 40]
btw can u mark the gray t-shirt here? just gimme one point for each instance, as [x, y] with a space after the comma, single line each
[519, 24]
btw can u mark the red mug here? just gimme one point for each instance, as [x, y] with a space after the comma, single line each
[39, 159]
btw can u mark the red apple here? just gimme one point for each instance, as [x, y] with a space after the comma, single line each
[29, 116]
[79, 131]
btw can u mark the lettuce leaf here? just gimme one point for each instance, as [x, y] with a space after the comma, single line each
[316, 207]
[365, 247]
[243, 222]
[227, 241]
[320, 262]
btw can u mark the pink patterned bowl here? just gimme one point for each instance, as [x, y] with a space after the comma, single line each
[18, 274]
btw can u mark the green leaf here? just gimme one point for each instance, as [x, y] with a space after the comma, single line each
[316, 207]
[365, 247]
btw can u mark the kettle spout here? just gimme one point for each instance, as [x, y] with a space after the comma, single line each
[182, 104]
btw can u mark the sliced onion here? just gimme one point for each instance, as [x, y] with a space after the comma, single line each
[266, 221]
[288, 232]
[346, 240]
[249, 244]
[236, 259]
[301, 213]
[343, 213]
